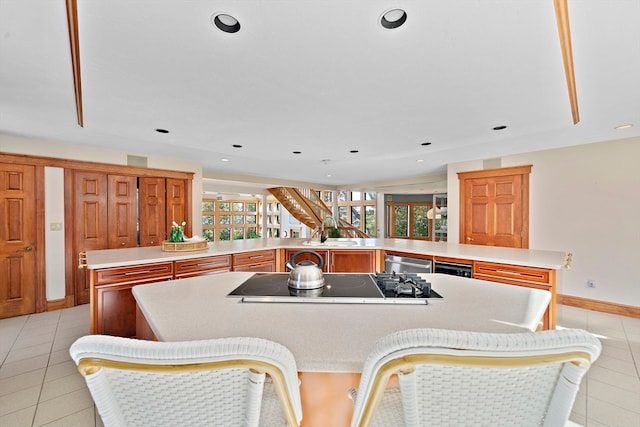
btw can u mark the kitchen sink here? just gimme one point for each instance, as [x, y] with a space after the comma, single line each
[330, 242]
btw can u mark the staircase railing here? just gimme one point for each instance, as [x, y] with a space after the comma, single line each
[306, 206]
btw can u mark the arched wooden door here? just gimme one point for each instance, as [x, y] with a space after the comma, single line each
[494, 207]
[18, 233]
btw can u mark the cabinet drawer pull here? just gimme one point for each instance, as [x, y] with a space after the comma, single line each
[513, 273]
[133, 273]
[256, 257]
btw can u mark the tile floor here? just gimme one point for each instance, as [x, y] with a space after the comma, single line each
[40, 386]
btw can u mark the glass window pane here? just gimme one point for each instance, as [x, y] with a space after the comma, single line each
[252, 219]
[342, 212]
[369, 196]
[328, 196]
[208, 205]
[208, 220]
[238, 207]
[252, 207]
[238, 233]
[208, 234]
[370, 220]
[224, 234]
[225, 206]
[401, 221]
[342, 196]
[238, 219]
[420, 221]
[225, 219]
[355, 216]
[355, 196]
[252, 233]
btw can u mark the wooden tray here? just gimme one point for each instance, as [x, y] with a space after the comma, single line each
[168, 246]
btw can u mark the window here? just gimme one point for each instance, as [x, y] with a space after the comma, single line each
[232, 219]
[359, 209]
[408, 220]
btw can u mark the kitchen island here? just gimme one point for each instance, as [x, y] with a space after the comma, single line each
[330, 341]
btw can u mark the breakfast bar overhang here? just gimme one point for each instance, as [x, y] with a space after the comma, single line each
[331, 341]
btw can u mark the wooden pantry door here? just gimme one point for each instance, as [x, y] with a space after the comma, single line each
[18, 233]
[494, 207]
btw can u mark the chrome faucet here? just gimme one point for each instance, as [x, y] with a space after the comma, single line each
[334, 224]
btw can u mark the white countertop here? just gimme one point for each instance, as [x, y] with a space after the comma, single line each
[331, 337]
[525, 257]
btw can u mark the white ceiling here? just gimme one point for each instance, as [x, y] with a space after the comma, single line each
[321, 77]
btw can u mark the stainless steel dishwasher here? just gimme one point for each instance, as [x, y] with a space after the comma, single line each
[404, 264]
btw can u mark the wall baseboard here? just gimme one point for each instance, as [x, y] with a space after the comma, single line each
[606, 307]
[59, 304]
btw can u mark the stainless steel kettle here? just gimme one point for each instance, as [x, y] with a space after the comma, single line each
[305, 274]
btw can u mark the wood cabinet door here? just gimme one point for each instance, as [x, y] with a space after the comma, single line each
[177, 204]
[89, 223]
[17, 240]
[352, 261]
[122, 211]
[152, 211]
[494, 208]
[324, 254]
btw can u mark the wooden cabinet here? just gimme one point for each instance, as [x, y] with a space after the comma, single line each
[202, 266]
[255, 261]
[153, 224]
[122, 211]
[530, 277]
[324, 254]
[177, 202]
[113, 307]
[352, 261]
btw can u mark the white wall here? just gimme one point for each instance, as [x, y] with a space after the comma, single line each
[584, 200]
[54, 193]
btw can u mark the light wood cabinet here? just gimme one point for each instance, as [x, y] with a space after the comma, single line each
[255, 261]
[530, 277]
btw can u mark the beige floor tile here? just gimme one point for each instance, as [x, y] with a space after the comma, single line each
[84, 418]
[62, 406]
[30, 341]
[19, 400]
[28, 352]
[60, 370]
[61, 386]
[22, 366]
[21, 382]
[59, 356]
[611, 415]
[617, 365]
[21, 418]
[625, 399]
[607, 376]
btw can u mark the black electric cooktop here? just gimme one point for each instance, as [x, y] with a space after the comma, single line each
[353, 288]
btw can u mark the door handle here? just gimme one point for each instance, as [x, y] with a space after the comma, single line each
[468, 239]
[26, 249]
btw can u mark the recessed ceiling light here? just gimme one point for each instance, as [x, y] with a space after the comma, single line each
[621, 127]
[237, 146]
[501, 127]
[354, 151]
[297, 152]
[162, 131]
[224, 160]
[419, 161]
[226, 23]
[393, 18]
[426, 143]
